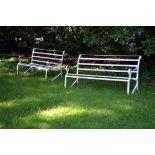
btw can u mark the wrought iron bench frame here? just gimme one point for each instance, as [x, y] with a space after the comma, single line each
[131, 69]
[44, 59]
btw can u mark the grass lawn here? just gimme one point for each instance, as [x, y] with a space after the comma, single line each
[30, 101]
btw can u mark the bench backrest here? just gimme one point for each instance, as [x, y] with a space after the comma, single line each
[109, 63]
[43, 56]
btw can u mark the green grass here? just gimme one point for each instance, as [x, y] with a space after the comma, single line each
[29, 101]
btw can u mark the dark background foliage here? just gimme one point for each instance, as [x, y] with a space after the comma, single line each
[78, 39]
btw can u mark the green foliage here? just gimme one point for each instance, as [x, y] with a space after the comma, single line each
[106, 38]
[148, 40]
[79, 39]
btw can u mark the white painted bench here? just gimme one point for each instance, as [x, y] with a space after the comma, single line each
[98, 67]
[44, 59]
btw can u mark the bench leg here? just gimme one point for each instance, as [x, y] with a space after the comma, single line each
[27, 70]
[136, 87]
[17, 69]
[61, 73]
[65, 84]
[56, 76]
[128, 87]
[46, 74]
[74, 82]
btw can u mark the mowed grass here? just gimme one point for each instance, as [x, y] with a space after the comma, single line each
[30, 101]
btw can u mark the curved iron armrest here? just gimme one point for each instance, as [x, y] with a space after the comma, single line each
[135, 70]
[20, 58]
[67, 68]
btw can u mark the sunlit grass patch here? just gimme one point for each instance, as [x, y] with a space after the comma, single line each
[30, 101]
[60, 115]
[69, 111]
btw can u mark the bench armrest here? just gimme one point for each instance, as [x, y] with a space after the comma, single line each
[21, 58]
[69, 68]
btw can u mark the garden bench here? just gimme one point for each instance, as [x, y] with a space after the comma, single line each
[123, 68]
[44, 59]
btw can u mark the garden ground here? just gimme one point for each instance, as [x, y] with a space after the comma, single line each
[30, 101]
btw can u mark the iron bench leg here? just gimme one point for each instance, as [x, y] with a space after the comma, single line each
[28, 69]
[46, 74]
[17, 69]
[135, 87]
[128, 87]
[76, 80]
[61, 72]
[25, 71]
[56, 76]
[128, 83]
[65, 84]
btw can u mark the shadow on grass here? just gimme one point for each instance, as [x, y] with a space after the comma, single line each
[81, 118]
[29, 101]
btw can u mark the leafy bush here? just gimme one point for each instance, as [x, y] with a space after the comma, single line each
[79, 39]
